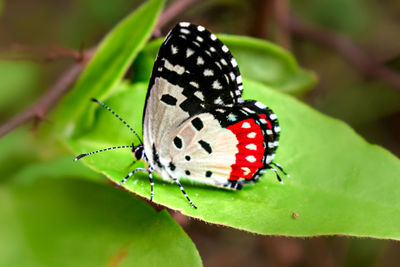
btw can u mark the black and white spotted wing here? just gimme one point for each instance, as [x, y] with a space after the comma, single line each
[193, 58]
[193, 71]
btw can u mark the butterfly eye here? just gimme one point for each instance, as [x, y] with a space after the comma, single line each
[139, 152]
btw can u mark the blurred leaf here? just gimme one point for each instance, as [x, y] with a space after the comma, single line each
[17, 149]
[394, 64]
[351, 17]
[354, 99]
[302, 80]
[26, 156]
[373, 100]
[78, 223]
[60, 167]
[102, 11]
[92, 19]
[269, 64]
[17, 81]
[339, 183]
[109, 64]
[258, 60]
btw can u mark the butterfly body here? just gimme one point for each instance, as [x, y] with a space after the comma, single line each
[195, 123]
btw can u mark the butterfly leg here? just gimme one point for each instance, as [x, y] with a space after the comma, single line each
[150, 170]
[132, 163]
[237, 185]
[183, 191]
[130, 174]
[277, 175]
[280, 168]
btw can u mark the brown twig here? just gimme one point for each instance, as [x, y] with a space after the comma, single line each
[49, 99]
[171, 12]
[281, 12]
[32, 53]
[274, 12]
[363, 61]
[62, 85]
[262, 18]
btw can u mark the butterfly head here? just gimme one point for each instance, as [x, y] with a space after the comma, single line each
[138, 152]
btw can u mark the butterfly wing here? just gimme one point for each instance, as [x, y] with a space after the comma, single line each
[221, 146]
[193, 72]
[194, 59]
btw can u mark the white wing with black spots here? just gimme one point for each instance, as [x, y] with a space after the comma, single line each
[193, 72]
[201, 150]
[194, 59]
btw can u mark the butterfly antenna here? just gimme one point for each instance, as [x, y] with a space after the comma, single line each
[117, 116]
[98, 151]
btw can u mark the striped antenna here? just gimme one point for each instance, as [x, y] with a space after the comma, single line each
[101, 150]
[117, 116]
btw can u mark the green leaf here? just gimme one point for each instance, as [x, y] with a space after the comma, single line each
[70, 222]
[110, 62]
[18, 148]
[339, 183]
[60, 167]
[258, 60]
[269, 64]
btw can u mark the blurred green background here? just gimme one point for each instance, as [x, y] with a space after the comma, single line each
[39, 39]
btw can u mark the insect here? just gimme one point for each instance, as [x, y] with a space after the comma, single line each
[195, 123]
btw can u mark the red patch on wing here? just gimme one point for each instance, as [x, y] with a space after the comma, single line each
[263, 116]
[251, 149]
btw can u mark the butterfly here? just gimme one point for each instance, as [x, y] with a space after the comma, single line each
[195, 123]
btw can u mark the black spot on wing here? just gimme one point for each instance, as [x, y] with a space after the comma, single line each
[171, 166]
[156, 158]
[208, 174]
[178, 142]
[197, 124]
[168, 99]
[191, 106]
[206, 146]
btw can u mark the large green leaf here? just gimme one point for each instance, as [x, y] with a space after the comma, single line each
[258, 60]
[110, 62]
[70, 222]
[58, 167]
[339, 183]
